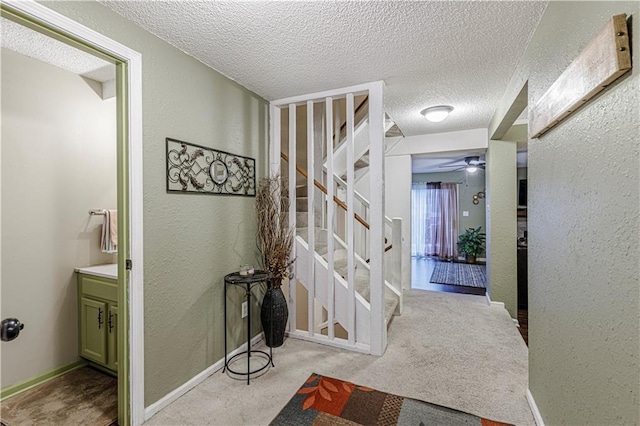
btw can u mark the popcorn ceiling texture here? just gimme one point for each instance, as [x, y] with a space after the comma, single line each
[428, 53]
[28, 42]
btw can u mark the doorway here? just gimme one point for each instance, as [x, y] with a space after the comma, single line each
[447, 199]
[59, 124]
[513, 130]
[519, 133]
[129, 189]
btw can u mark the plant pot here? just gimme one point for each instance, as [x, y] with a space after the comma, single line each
[274, 315]
[471, 258]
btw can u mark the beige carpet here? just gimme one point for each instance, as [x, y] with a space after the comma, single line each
[81, 397]
[448, 349]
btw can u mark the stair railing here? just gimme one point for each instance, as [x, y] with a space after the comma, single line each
[363, 320]
[393, 234]
[323, 189]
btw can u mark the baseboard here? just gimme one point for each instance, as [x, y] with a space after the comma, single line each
[43, 378]
[500, 305]
[534, 409]
[462, 259]
[163, 402]
[492, 303]
[324, 340]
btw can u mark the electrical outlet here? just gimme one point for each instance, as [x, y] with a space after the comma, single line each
[245, 309]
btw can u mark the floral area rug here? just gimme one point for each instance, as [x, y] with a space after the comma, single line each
[324, 401]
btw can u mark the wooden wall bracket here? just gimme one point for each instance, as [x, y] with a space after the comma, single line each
[605, 59]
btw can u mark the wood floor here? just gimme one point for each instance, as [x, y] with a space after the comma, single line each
[523, 320]
[81, 397]
[421, 270]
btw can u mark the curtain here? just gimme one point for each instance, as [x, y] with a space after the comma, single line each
[434, 219]
[422, 219]
[448, 226]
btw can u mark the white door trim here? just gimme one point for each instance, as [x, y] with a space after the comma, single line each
[133, 59]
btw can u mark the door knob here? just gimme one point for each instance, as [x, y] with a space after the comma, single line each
[10, 329]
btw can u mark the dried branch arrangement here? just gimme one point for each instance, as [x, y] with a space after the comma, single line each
[275, 237]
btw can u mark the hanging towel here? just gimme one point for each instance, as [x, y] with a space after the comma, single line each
[113, 228]
[107, 244]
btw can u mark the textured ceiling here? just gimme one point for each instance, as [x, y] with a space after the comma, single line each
[438, 163]
[460, 53]
[25, 41]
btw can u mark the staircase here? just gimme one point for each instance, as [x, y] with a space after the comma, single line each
[362, 275]
[345, 287]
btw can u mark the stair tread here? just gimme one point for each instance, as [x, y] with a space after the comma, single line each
[362, 274]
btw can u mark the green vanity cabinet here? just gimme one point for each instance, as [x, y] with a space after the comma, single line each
[98, 317]
[112, 338]
[93, 339]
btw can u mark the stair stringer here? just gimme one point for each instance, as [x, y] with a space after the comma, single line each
[341, 292]
[360, 147]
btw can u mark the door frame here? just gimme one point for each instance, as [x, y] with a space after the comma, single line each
[130, 188]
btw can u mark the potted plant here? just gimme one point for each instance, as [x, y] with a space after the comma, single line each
[275, 240]
[471, 243]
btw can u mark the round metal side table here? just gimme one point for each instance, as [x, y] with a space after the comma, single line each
[248, 282]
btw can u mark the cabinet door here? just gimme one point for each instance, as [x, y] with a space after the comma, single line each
[93, 330]
[112, 345]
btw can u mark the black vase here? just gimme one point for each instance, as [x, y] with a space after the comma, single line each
[274, 315]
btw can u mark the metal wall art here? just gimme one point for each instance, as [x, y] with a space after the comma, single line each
[194, 168]
[480, 195]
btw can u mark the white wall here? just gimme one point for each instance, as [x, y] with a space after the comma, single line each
[398, 204]
[58, 161]
[463, 140]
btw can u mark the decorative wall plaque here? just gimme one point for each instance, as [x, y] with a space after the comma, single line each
[194, 168]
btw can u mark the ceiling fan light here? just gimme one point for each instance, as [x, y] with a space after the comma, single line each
[438, 113]
[471, 168]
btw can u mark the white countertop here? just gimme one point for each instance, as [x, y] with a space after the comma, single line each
[105, 271]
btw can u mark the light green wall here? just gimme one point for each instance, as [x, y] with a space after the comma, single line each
[502, 229]
[469, 185]
[190, 241]
[584, 230]
[517, 132]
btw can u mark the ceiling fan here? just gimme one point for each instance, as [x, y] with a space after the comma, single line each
[472, 164]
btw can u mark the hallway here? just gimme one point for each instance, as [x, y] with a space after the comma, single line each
[448, 349]
[421, 271]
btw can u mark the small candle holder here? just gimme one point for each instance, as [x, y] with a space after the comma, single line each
[246, 270]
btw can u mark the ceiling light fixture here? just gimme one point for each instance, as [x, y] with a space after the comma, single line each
[437, 113]
[471, 168]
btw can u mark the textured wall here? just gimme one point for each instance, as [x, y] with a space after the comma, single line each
[191, 241]
[502, 230]
[51, 118]
[584, 231]
[398, 204]
[470, 185]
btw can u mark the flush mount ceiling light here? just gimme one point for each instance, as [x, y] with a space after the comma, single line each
[471, 168]
[437, 113]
